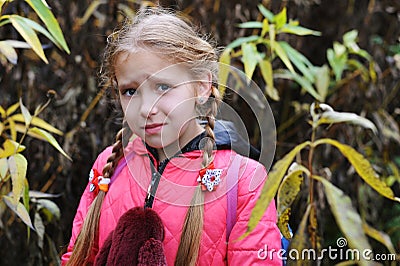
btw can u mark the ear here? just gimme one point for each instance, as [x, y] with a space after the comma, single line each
[203, 90]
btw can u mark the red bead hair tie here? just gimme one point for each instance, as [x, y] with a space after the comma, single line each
[98, 182]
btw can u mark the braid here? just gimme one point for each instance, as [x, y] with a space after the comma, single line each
[84, 244]
[209, 128]
[189, 245]
[121, 140]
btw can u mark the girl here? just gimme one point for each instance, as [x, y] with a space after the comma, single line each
[165, 75]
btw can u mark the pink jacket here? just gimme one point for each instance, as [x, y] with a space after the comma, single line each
[174, 192]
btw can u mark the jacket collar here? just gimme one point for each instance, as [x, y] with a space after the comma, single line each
[141, 148]
[192, 145]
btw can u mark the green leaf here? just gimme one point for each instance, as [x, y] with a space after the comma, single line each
[238, 42]
[299, 60]
[280, 19]
[10, 147]
[49, 138]
[50, 206]
[337, 60]
[287, 193]
[350, 38]
[266, 71]
[250, 58]
[25, 112]
[362, 167]
[324, 114]
[271, 186]
[322, 80]
[303, 82]
[40, 229]
[4, 20]
[17, 164]
[266, 13]
[224, 68]
[346, 216]
[251, 25]
[282, 55]
[50, 21]
[36, 121]
[20, 210]
[29, 35]
[9, 52]
[298, 30]
[25, 195]
[3, 168]
[339, 49]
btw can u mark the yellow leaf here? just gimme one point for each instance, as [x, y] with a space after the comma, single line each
[89, 11]
[3, 168]
[379, 236]
[250, 58]
[265, 27]
[13, 129]
[266, 72]
[362, 167]
[283, 223]
[271, 186]
[346, 216]
[12, 109]
[286, 195]
[224, 67]
[1, 128]
[282, 55]
[36, 121]
[20, 210]
[29, 35]
[301, 241]
[49, 138]
[10, 147]
[18, 166]
[2, 112]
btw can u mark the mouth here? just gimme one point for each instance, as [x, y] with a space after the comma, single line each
[152, 129]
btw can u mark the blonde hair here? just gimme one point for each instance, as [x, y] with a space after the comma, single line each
[159, 31]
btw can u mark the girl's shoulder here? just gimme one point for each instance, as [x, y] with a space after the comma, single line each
[251, 174]
[134, 146]
[225, 158]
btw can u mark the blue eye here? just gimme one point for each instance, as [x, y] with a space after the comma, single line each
[163, 87]
[129, 92]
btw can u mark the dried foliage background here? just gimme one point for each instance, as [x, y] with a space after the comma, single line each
[90, 121]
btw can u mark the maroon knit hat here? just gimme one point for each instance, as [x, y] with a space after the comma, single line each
[136, 240]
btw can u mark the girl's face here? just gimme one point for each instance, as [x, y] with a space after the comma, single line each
[159, 99]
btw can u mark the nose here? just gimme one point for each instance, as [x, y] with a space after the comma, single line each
[149, 105]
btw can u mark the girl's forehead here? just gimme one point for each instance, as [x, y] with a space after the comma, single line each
[145, 65]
